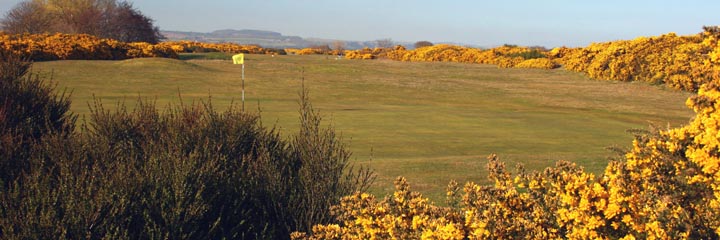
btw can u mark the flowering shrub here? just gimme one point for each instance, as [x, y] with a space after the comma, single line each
[505, 56]
[200, 47]
[508, 62]
[317, 50]
[43, 47]
[365, 53]
[404, 215]
[681, 62]
[543, 63]
[371, 53]
[143, 49]
[666, 187]
[309, 51]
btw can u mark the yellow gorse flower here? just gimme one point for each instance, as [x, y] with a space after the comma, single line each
[666, 187]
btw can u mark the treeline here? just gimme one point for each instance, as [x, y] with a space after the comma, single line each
[45, 47]
[188, 172]
[111, 19]
[667, 186]
[94, 30]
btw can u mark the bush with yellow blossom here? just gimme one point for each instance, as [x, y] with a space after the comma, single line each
[44, 47]
[667, 186]
[681, 62]
[505, 56]
[202, 47]
[542, 63]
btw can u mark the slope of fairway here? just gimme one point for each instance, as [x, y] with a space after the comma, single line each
[429, 122]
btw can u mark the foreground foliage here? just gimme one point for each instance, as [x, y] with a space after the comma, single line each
[188, 172]
[29, 110]
[666, 187]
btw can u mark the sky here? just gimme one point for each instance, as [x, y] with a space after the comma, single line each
[547, 23]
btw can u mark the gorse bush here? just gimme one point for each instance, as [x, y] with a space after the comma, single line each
[542, 63]
[192, 172]
[667, 186]
[531, 54]
[187, 172]
[680, 62]
[47, 47]
[505, 56]
[203, 47]
[118, 20]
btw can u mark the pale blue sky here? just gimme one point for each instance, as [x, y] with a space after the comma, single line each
[486, 23]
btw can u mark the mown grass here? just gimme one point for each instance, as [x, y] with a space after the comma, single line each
[429, 122]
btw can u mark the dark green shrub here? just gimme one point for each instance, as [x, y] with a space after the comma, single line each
[199, 49]
[188, 172]
[320, 150]
[30, 108]
[532, 54]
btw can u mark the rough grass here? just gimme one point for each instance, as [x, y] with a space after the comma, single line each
[429, 122]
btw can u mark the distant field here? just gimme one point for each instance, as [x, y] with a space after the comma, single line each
[429, 122]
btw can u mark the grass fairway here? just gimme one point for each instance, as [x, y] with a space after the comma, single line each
[429, 122]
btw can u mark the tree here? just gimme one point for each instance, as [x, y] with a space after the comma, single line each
[338, 47]
[420, 44]
[384, 43]
[322, 49]
[76, 16]
[711, 30]
[27, 17]
[127, 24]
[103, 18]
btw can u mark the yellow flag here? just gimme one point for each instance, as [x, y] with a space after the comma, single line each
[238, 58]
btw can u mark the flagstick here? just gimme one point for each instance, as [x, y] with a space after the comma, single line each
[243, 87]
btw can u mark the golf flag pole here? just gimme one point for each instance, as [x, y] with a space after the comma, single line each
[240, 59]
[243, 86]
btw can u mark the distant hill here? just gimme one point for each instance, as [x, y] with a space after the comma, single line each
[263, 38]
